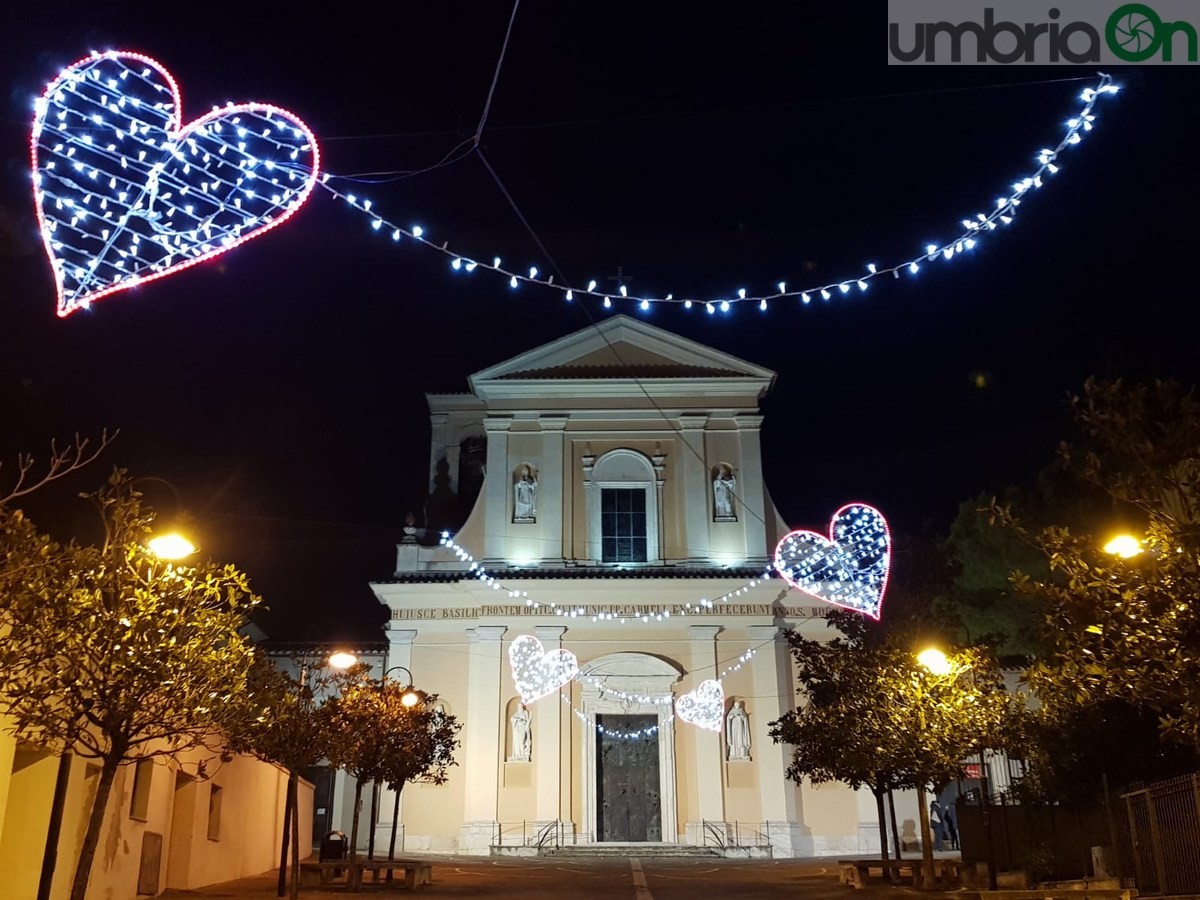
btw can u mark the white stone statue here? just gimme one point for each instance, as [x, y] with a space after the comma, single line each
[522, 745]
[737, 732]
[724, 488]
[525, 495]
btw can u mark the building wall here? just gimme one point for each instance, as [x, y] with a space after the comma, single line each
[252, 797]
[749, 797]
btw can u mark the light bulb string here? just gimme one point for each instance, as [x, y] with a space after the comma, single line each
[972, 231]
[702, 606]
[643, 700]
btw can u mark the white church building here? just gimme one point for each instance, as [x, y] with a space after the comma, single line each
[619, 478]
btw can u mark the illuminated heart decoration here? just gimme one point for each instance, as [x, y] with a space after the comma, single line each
[704, 706]
[537, 671]
[125, 194]
[848, 569]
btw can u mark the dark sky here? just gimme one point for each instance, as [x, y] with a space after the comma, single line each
[702, 148]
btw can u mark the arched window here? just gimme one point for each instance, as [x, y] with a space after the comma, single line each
[622, 495]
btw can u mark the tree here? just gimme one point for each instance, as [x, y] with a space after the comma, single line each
[292, 729]
[844, 732]
[379, 738]
[116, 655]
[875, 718]
[1126, 629]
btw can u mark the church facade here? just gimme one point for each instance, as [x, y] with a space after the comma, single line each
[617, 511]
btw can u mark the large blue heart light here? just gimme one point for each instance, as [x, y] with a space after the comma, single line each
[849, 568]
[126, 193]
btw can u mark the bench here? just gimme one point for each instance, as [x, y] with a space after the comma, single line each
[417, 873]
[856, 872]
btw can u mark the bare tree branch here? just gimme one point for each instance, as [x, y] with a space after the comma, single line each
[62, 462]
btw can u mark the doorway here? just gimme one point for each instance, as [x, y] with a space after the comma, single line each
[627, 779]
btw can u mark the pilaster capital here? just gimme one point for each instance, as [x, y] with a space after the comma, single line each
[705, 632]
[547, 633]
[749, 422]
[482, 633]
[693, 421]
[400, 635]
[553, 423]
[497, 424]
[761, 633]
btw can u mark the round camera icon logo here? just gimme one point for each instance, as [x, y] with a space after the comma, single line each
[1134, 32]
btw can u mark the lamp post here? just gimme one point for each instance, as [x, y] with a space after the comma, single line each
[935, 662]
[336, 659]
[409, 699]
[938, 664]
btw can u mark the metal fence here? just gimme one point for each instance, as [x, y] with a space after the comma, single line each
[1048, 841]
[1159, 835]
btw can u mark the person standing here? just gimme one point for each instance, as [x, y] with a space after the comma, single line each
[950, 819]
[936, 825]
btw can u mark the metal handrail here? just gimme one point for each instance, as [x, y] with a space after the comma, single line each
[710, 829]
[550, 829]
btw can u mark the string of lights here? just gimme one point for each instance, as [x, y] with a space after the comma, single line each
[973, 229]
[660, 614]
[698, 709]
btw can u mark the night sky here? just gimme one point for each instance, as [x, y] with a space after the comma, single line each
[699, 147]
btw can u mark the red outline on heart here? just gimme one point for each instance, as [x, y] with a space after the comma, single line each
[830, 540]
[175, 134]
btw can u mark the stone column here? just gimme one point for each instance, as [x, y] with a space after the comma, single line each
[706, 748]
[696, 487]
[774, 695]
[751, 497]
[496, 488]
[552, 488]
[481, 738]
[547, 740]
[400, 644]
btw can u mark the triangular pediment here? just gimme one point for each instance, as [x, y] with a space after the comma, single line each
[621, 349]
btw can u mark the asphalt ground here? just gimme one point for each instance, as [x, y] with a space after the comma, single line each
[644, 878]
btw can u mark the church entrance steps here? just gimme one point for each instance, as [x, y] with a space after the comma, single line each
[642, 850]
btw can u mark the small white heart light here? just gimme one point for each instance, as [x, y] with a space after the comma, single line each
[538, 672]
[704, 706]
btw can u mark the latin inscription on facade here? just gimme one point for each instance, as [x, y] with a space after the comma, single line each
[628, 611]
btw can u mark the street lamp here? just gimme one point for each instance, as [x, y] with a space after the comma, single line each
[342, 659]
[935, 661]
[411, 696]
[1125, 546]
[171, 546]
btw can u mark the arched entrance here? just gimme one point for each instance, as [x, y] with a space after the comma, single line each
[629, 786]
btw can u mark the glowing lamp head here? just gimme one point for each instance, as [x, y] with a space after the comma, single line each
[410, 699]
[171, 546]
[934, 661]
[1126, 546]
[342, 660]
